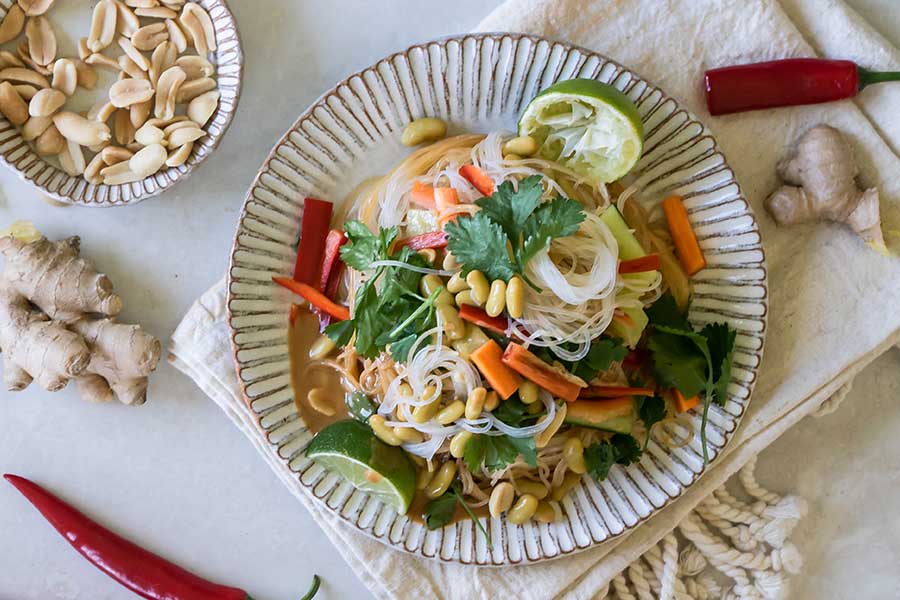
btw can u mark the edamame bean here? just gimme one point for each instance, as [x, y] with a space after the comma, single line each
[524, 145]
[423, 413]
[475, 403]
[426, 129]
[544, 512]
[501, 500]
[408, 435]
[453, 325]
[573, 453]
[528, 392]
[535, 488]
[492, 401]
[515, 297]
[569, 481]
[457, 284]
[496, 300]
[522, 510]
[458, 443]
[479, 286]
[383, 432]
[442, 479]
[451, 412]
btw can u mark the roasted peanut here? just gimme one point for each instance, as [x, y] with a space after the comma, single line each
[318, 399]
[322, 347]
[524, 145]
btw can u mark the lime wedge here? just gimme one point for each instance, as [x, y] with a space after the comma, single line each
[590, 127]
[352, 450]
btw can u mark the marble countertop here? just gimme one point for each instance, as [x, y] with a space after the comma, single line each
[175, 475]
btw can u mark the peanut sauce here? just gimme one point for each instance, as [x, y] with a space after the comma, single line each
[307, 375]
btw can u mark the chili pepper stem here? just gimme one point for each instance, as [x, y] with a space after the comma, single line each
[867, 77]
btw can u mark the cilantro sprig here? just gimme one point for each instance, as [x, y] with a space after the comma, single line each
[694, 362]
[440, 511]
[619, 449]
[389, 311]
[511, 228]
[496, 452]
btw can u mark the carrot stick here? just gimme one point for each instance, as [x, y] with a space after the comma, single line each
[683, 404]
[444, 198]
[423, 195]
[488, 360]
[613, 391]
[315, 297]
[640, 265]
[477, 178]
[683, 237]
[529, 366]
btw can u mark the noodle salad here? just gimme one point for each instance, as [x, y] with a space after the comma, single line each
[492, 320]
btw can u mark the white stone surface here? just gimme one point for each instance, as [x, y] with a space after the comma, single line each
[177, 477]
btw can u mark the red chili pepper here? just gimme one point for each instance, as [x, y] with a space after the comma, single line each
[141, 571]
[432, 239]
[473, 314]
[314, 297]
[332, 269]
[640, 264]
[313, 231]
[788, 82]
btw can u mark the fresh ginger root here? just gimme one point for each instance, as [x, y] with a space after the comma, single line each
[56, 323]
[825, 171]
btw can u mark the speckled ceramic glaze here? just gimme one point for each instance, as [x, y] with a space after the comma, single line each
[57, 184]
[481, 83]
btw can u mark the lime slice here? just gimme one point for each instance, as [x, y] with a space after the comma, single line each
[590, 127]
[352, 450]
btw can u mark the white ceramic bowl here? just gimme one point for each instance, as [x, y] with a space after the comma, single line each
[481, 83]
[57, 184]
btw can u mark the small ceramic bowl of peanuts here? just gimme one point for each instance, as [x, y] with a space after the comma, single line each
[120, 112]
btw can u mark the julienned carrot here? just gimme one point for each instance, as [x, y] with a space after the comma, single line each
[488, 360]
[473, 314]
[640, 265]
[445, 197]
[561, 384]
[478, 179]
[686, 246]
[613, 391]
[313, 231]
[683, 404]
[315, 297]
[423, 195]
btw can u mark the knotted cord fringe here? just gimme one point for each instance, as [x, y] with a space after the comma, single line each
[747, 543]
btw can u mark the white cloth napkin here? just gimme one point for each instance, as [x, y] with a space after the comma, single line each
[835, 305]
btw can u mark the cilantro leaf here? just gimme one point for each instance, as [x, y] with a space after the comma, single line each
[619, 449]
[364, 247]
[495, 452]
[480, 244]
[599, 458]
[514, 412]
[651, 410]
[720, 338]
[440, 511]
[558, 218]
[665, 312]
[525, 446]
[474, 452]
[627, 449]
[511, 208]
[340, 332]
[602, 353]
[677, 363]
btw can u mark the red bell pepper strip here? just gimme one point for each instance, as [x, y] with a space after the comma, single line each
[144, 573]
[315, 297]
[478, 179]
[613, 391]
[561, 384]
[332, 256]
[473, 314]
[640, 264]
[432, 239]
[788, 82]
[313, 231]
